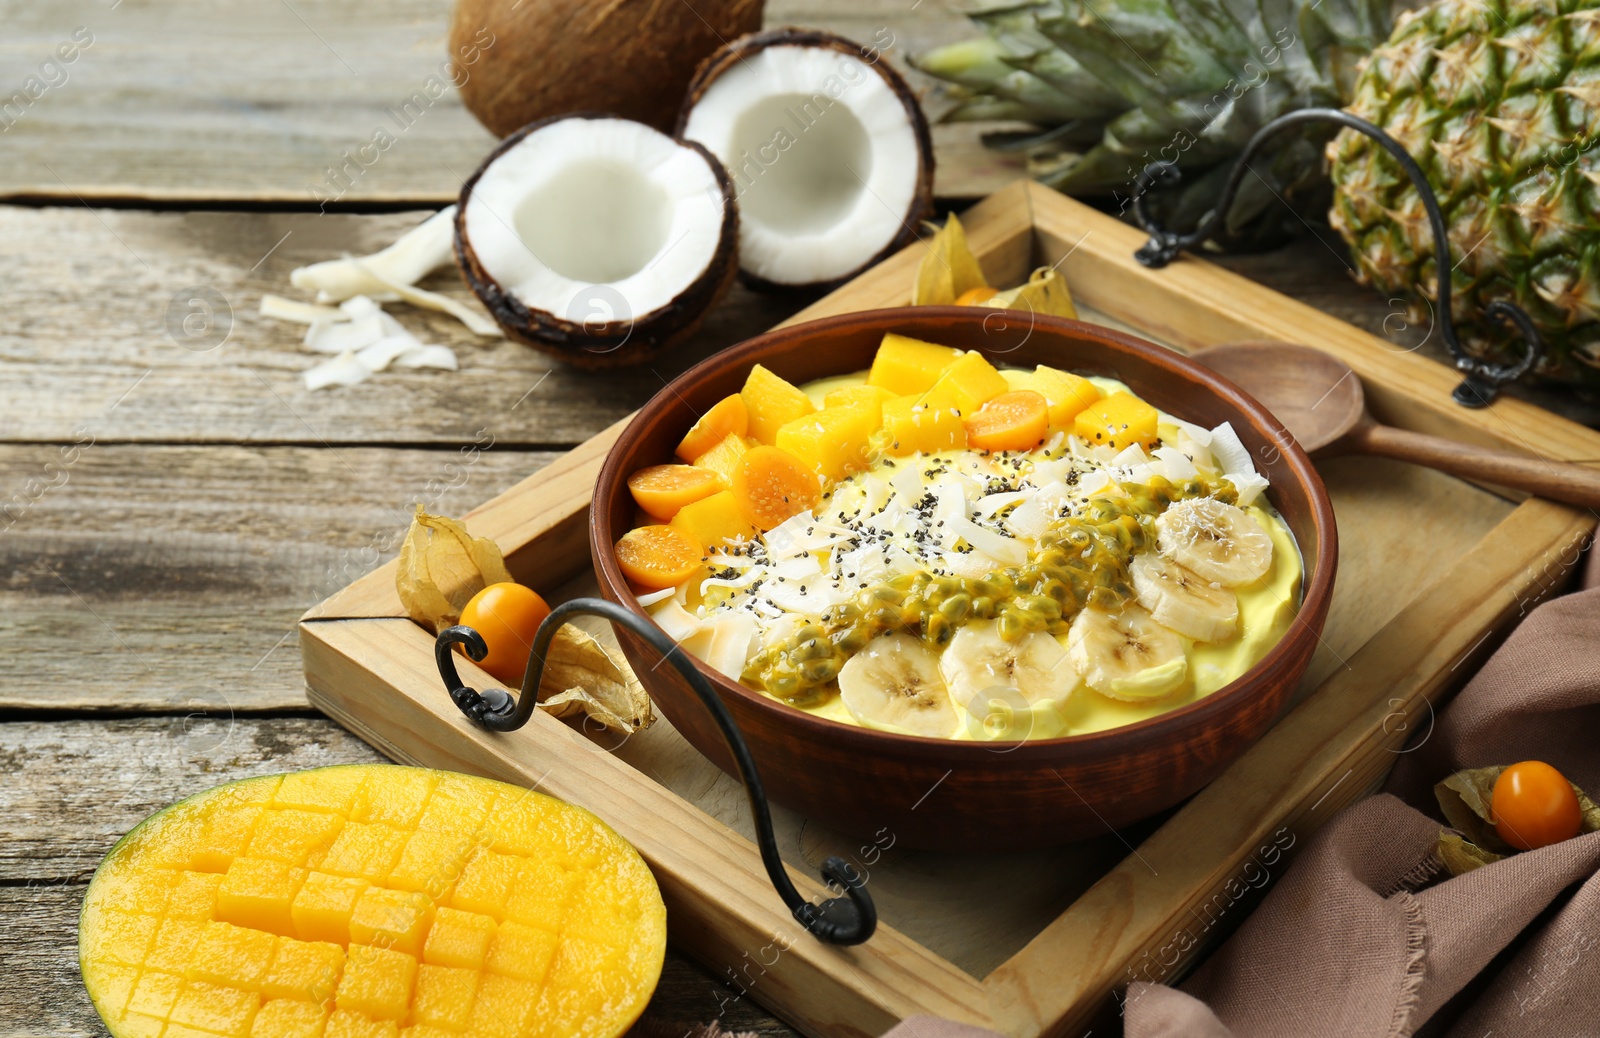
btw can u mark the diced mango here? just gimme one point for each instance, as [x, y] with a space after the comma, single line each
[137, 1025]
[910, 426]
[727, 417]
[232, 955]
[322, 790]
[115, 984]
[173, 948]
[259, 893]
[194, 895]
[227, 835]
[1118, 421]
[548, 909]
[431, 862]
[724, 457]
[397, 919]
[966, 385]
[1066, 393]
[771, 403]
[377, 982]
[155, 993]
[322, 907]
[444, 996]
[905, 366]
[715, 519]
[459, 938]
[369, 850]
[397, 801]
[522, 951]
[833, 442]
[457, 805]
[127, 936]
[307, 970]
[870, 397]
[289, 1018]
[294, 836]
[346, 1024]
[214, 1009]
[504, 1007]
[485, 883]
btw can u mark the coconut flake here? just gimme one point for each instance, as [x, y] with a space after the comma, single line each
[340, 336]
[343, 370]
[383, 352]
[300, 313]
[650, 598]
[1008, 550]
[428, 355]
[1229, 450]
[418, 252]
[475, 320]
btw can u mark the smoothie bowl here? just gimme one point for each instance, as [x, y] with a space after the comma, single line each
[978, 583]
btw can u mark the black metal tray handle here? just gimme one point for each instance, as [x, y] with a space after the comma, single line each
[840, 920]
[1483, 380]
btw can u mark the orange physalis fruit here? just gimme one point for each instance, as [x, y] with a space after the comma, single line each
[663, 489]
[658, 557]
[975, 296]
[727, 416]
[1015, 421]
[1534, 806]
[773, 485]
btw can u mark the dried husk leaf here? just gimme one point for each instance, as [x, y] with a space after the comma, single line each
[1466, 799]
[948, 269]
[441, 567]
[1045, 292]
[1461, 857]
[581, 676]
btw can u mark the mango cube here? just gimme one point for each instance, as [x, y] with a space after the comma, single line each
[155, 993]
[905, 366]
[715, 519]
[137, 1025]
[966, 385]
[289, 1018]
[258, 893]
[321, 790]
[194, 895]
[226, 836]
[377, 982]
[1066, 393]
[910, 426]
[115, 984]
[485, 883]
[1118, 421]
[444, 996]
[346, 1024]
[870, 397]
[369, 850]
[397, 919]
[214, 1008]
[504, 1007]
[321, 910]
[724, 457]
[833, 442]
[173, 948]
[458, 938]
[128, 936]
[431, 862]
[771, 403]
[294, 836]
[232, 955]
[522, 951]
[395, 801]
[456, 806]
[305, 970]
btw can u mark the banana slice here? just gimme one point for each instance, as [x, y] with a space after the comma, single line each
[894, 683]
[1219, 542]
[1127, 656]
[1178, 598]
[1008, 690]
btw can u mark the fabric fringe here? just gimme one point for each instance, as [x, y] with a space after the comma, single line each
[1416, 962]
[1416, 876]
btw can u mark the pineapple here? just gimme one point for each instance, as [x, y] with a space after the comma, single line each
[1498, 100]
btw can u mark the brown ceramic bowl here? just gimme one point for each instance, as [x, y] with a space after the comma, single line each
[936, 793]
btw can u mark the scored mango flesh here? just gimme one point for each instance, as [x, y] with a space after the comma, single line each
[371, 901]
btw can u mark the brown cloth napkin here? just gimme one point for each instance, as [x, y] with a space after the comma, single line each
[1361, 936]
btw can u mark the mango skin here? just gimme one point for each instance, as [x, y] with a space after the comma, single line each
[569, 922]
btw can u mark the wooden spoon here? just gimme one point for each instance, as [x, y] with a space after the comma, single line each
[1320, 400]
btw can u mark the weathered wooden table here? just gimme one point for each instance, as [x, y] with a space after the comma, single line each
[172, 498]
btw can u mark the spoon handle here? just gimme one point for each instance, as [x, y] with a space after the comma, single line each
[1556, 480]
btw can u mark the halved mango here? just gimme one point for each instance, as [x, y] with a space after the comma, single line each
[401, 959]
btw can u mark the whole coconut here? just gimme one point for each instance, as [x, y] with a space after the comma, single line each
[633, 58]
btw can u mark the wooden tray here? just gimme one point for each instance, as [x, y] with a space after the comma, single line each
[1432, 571]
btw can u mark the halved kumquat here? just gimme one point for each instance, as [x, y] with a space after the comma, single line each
[661, 490]
[658, 557]
[774, 485]
[1015, 421]
[728, 415]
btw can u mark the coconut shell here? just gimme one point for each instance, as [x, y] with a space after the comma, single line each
[533, 59]
[712, 69]
[608, 344]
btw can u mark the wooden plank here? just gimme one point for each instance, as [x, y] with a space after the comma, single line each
[85, 345]
[1152, 915]
[170, 578]
[723, 906]
[73, 788]
[200, 101]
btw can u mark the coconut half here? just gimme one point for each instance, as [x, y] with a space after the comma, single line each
[827, 149]
[597, 239]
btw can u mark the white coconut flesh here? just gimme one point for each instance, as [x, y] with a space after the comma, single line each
[596, 219]
[823, 156]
